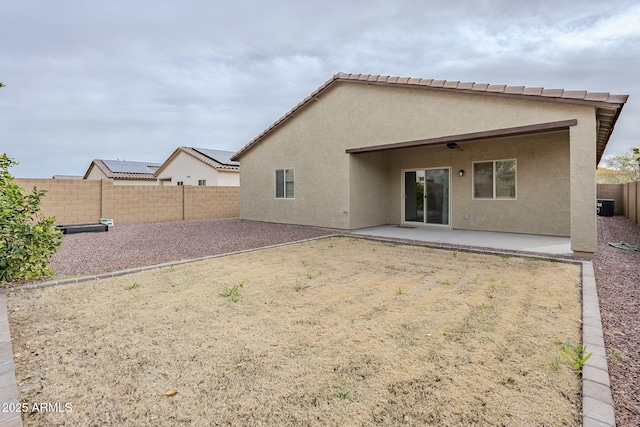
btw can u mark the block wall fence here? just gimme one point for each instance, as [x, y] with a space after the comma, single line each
[86, 201]
[626, 198]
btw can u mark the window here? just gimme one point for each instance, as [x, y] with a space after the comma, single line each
[284, 184]
[202, 182]
[179, 183]
[494, 180]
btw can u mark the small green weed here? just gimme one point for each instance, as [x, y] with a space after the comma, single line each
[399, 291]
[313, 276]
[575, 355]
[455, 254]
[343, 394]
[504, 256]
[233, 292]
[444, 282]
[531, 258]
[300, 286]
[134, 286]
[305, 263]
[554, 364]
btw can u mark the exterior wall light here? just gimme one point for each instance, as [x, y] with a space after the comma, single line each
[461, 173]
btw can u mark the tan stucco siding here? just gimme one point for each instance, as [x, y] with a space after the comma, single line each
[583, 185]
[339, 190]
[370, 183]
[313, 146]
[542, 184]
[188, 170]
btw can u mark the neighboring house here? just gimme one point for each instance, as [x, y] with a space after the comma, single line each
[199, 166]
[74, 177]
[123, 172]
[365, 150]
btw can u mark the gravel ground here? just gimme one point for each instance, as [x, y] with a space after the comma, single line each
[138, 245]
[618, 281]
[135, 245]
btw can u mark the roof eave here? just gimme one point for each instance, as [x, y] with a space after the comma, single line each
[601, 100]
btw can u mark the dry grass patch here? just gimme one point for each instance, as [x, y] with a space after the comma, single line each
[331, 332]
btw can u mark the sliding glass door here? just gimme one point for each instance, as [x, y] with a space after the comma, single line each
[426, 196]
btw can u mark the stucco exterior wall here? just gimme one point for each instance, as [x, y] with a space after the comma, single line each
[228, 178]
[335, 189]
[190, 170]
[313, 145]
[542, 184]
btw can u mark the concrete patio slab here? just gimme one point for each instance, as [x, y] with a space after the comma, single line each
[505, 241]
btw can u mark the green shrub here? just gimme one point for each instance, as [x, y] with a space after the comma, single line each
[27, 239]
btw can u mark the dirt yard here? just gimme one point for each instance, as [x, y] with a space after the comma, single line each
[336, 331]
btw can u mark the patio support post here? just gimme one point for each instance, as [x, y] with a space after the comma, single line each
[583, 184]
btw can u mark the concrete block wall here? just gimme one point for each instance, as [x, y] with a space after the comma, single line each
[70, 201]
[86, 201]
[615, 192]
[211, 202]
[144, 204]
[631, 194]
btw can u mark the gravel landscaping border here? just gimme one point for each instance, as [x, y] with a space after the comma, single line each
[617, 273]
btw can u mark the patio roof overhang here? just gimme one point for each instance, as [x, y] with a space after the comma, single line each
[470, 137]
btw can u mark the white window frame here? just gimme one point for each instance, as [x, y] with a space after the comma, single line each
[473, 179]
[284, 184]
[202, 183]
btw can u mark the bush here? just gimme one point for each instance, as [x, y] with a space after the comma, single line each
[27, 239]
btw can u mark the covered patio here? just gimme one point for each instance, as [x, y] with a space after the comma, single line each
[549, 245]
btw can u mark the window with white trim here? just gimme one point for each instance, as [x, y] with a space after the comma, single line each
[494, 179]
[284, 184]
[202, 182]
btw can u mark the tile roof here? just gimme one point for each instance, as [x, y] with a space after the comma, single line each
[217, 159]
[124, 169]
[608, 105]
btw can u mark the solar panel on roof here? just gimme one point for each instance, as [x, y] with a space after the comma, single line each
[222, 157]
[124, 166]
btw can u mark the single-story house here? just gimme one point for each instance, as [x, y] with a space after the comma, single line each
[123, 172]
[199, 166]
[366, 150]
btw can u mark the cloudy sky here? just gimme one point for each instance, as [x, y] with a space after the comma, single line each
[135, 79]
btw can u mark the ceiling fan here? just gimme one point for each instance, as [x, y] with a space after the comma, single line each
[454, 146]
